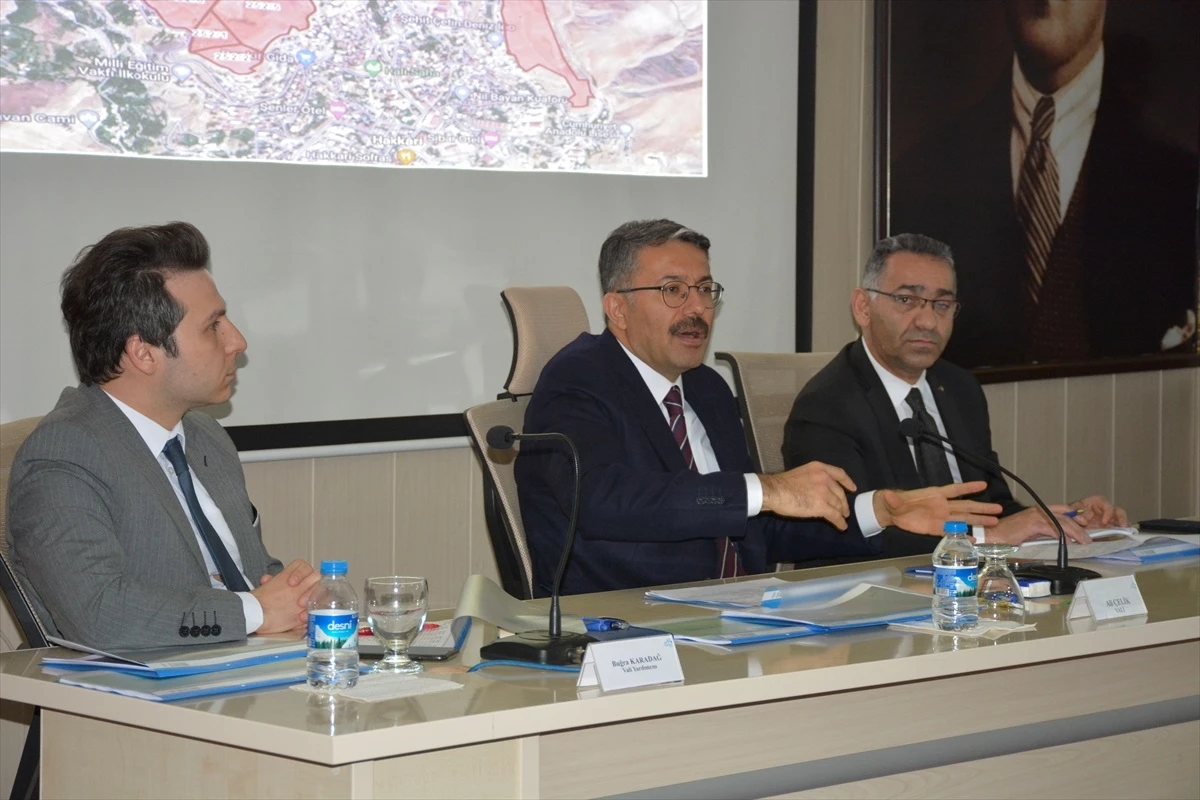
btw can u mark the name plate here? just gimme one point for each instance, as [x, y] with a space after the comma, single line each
[626, 663]
[1107, 598]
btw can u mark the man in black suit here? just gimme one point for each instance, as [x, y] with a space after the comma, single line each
[668, 493]
[850, 412]
[1075, 227]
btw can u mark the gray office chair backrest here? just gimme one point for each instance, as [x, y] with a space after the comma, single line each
[767, 385]
[501, 506]
[545, 319]
[32, 631]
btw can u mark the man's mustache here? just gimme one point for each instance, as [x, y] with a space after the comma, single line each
[690, 325]
[931, 336]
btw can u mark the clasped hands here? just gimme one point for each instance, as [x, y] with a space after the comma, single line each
[284, 598]
[819, 490]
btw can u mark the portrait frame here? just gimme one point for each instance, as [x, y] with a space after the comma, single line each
[927, 71]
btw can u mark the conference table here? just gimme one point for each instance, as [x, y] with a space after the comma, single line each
[1074, 708]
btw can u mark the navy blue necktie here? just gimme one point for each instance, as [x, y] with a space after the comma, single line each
[230, 574]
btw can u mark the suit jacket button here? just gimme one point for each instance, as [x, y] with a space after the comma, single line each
[183, 631]
[195, 631]
[205, 630]
[216, 630]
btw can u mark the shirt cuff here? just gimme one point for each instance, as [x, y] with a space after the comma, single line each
[864, 512]
[977, 533]
[252, 610]
[753, 495]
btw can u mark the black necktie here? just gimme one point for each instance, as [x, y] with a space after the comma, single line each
[932, 464]
[230, 574]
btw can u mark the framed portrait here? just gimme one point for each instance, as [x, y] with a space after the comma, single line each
[1053, 144]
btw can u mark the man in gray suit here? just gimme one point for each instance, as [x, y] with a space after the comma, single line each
[128, 516]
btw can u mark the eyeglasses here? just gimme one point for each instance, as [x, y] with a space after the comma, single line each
[909, 303]
[675, 293]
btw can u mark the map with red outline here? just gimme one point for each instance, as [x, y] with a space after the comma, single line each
[247, 28]
[613, 86]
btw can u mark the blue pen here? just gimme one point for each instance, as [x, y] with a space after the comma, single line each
[604, 624]
[1072, 514]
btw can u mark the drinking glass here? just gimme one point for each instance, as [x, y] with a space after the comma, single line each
[999, 594]
[396, 608]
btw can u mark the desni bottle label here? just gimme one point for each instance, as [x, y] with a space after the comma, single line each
[332, 629]
[955, 581]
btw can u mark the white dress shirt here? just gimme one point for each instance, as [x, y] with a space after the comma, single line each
[897, 391]
[702, 451]
[1074, 117]
[156, 437]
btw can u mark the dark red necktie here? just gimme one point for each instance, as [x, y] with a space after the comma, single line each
[727, 551]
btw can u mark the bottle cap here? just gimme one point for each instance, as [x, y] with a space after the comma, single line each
[949, 527]
[333, 567]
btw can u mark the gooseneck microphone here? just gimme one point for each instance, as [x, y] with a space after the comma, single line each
[551, 646]
[1063, 578]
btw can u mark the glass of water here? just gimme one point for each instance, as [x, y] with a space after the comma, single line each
[1000, 597]
[396, 608]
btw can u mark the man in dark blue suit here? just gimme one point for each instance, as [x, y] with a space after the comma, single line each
[668, 493]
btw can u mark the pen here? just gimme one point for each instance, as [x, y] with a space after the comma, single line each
[1072, 514]
[596, 624]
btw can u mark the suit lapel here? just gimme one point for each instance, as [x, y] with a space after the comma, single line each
[728, 442]
[639, 403]
[895, 446]
[956, 427]
[113, 425]
[209, 465]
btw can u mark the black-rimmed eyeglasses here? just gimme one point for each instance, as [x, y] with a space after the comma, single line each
[675, 293]
[942, 306]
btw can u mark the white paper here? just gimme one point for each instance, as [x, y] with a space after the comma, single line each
[1107, 598]
[627, 663]
[1113, 540]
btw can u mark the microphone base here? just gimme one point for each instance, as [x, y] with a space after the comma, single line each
[538, 647]
[1063, 580]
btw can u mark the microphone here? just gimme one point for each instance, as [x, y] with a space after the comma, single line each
[1063, 578]
[550, 646]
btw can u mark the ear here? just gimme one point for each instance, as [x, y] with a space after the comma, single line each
[140, 356]
[860, 307]
[615, 307]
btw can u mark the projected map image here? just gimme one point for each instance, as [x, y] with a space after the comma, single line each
[606, 86]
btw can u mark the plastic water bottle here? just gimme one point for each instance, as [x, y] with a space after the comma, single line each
[333, 630]
[955, 580]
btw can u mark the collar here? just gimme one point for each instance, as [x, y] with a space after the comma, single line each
[655, 382]
[896, 387]
[1073, 104]
[154, 435]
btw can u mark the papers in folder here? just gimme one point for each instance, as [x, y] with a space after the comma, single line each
[864, 606]
[185, 687]
[171, 662]
[772, 592]
[1117, 544]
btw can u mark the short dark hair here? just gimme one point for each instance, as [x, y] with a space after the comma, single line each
[917, 243]
[117, 288]
[618, 254]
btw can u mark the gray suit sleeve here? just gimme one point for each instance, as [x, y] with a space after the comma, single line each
[110, 569]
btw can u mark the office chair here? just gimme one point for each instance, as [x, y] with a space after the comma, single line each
[500, 505]
[767, 385]
[544, 319]
[12, 435]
